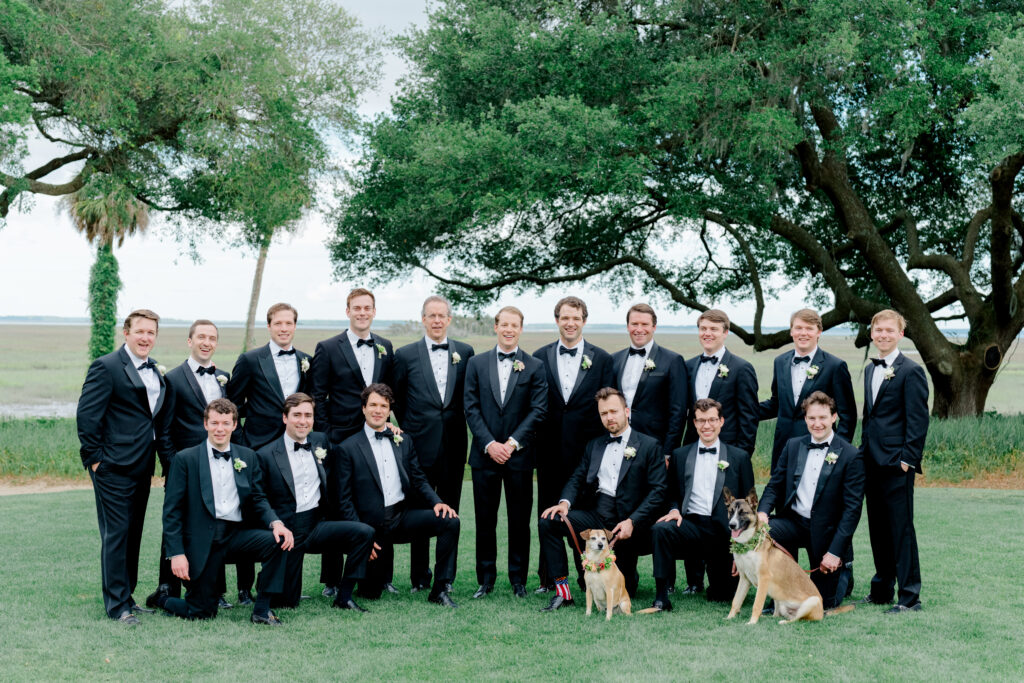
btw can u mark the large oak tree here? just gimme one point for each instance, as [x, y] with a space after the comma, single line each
[867, 152]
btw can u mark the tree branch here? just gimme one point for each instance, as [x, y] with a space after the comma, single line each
[945, 263]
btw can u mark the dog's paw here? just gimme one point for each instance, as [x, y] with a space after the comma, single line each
[731, 616]
[752, 622]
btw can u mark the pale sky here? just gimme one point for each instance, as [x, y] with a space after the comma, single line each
[46, 262]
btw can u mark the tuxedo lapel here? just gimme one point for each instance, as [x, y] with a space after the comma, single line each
[136, 381]
[190, 377]
[241, 482]
[596, 456]
[798, 470]
[808, 388]
[403, 474]
[283, 464]
[449, 389]
[582, 374]
[645, 373]
[723, 456]
[270, 372]
[626, 462]
[206, 480]
[350, 357]
[688, 468]
[785, 378]
[371, 462]
[553, 379]
[885, 382]
[869, 375]
[513, 377]
[826, 470]
[492, 373]
[620, 365]
[718, 381]
[378, 359]
[163, 394]
[223, 385]
[428, 372]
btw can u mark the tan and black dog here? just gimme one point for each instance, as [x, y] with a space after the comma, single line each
[606, 585]
[772, 570]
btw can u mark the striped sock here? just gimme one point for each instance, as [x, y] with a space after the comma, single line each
[562, 588]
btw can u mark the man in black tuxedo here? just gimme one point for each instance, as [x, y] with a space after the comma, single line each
[619, 485]
[342, 367]
[259, 383]
[430, 378]
[215, 511]
[719, 374]
[190, 387]
[799, 373]
[575, 371]
[506, 400]
[296, 485]
[698, 524]
[893, 433]
[653, 379]
[816, 492]
[380, 483]
[120, 414]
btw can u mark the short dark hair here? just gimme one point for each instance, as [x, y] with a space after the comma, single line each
[573, 301]
[605, 393]
[382, 390]
[706, 404]
[277, 308]
[642, 308]
[141, 313]
[296, 399]
[222, 406]
[201, 321]
[819, 398]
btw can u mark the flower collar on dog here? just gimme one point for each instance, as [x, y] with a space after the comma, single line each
[738, 548]
[592, 567]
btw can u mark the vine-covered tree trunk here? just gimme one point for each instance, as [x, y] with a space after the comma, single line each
[104, 284]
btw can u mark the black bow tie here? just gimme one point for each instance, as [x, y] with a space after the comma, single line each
[614, 439]
[571, 352]
[797, 360]
[147, 364]
[289, 352]
[506, 356]
[221, 454]
[364, 342]
[212, 370]
[637, 352]
[879, 361]
[815, 446]
[439, 347]
[384, 434]
[296, 446]
[709, 359]
[702, 450]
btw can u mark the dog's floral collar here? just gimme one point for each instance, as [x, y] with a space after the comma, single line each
[596, 567]
[738, 548]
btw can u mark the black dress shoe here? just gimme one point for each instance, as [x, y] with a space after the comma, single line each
[448, 588]
[162, 591]
[244, 597]
[222, 603]
[136, 609]
[128, 619]
[900, 609]
[543, 589]
[269, 620]
[663, 605]
[671, 589]
[442, 598]
[330, 592]
[419, 587]
[519, 590]
[693, 590]
[557, 602]
[350, 604]
[483, 590]
[390, 588]
[869, 600]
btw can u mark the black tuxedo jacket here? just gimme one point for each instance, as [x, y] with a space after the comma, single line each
[662, 397]
[569, 425]
[115, 424]
[185, 406]
[360, 493]
[256, 389]
[278, 482]
[337, 382]
[519, 417]
[189, 512]
[737, 392]
[640, 493]
[438, 426]
[833, 377]
[838, 497]
[896, 424]
[738, 477]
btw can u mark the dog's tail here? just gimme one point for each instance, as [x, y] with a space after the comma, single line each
[649, 610]
[839, 610]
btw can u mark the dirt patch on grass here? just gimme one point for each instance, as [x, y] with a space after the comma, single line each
[1011, 480]
[14, 487]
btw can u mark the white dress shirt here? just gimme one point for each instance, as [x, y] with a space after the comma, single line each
[568, 367]
[364, 356]
[633, 370]
[387, 466]
[225, 493]
[208, 383]
[809, 479]
[878, 376]
[439, 364]
[706, 373]
[798, 373]
[150, 379]
[287, 368]
[504, 370]
[705, 472]
[304, 474]
[611, 463]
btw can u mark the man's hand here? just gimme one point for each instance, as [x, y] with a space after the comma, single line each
[499, 452]
[373, 551]
[623, 529]
[668, 459]
[442, 510]
[395, 429]
[283, 536]
[179, 567]
[512, 444]
[830, 563]
[562, 510]
[673, 516]
[762, 517]
[96, 464]
[905, 466]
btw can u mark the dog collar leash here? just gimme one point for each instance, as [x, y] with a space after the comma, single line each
[592, 567]
[738, 548]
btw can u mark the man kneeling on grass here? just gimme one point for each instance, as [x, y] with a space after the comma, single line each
[215, 511]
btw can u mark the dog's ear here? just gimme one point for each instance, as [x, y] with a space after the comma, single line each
[752, 497]
[727, 496]
[608, 534]
[585, 534]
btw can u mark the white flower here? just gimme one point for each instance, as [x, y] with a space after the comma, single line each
[456, 357]
[629, 453]
[239, 465]
[649, 365]
[320, 453]
[586, 362]
[889, 373]
[518, 366]
[831, 457]
[304, 365]
[381, 351]
[223, 379]
[398, 438]
[812, 371]
[723, 465]
[723, 370]
[162, 369]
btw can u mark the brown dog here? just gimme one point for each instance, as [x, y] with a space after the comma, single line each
[769, 568]
[605, 583]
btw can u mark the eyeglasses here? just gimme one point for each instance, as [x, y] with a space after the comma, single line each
[699, 421]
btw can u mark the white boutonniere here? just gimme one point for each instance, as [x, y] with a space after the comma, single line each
[381, 351]
[723, 370]
[223, 379]
[518, 366]
[456, 358]
[889, 373]
[831, 457]
[239, 465]
[304, 365]
[649, 365]
[629, 453]
[398, 439]
[723, 465]
[586, 362]
[162, 369]
[812, 371]
[320, 453]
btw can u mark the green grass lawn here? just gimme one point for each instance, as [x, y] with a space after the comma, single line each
[53, 626]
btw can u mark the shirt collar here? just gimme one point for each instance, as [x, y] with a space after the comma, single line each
[209, 449]
[194, 364]
[136, 361]
[353, 338]
[430, 342]
[811, 355]
[891, 358]
[646, 346]
[288, 441]
[831, 435]
[370, 432]
[717, 445]
[274, 348]
[625, 436]
[720, 353]
[497, 350]
[578, 346]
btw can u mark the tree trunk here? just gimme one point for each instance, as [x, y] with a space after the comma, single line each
[104, 284]
[254, 297]
[963, 392]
